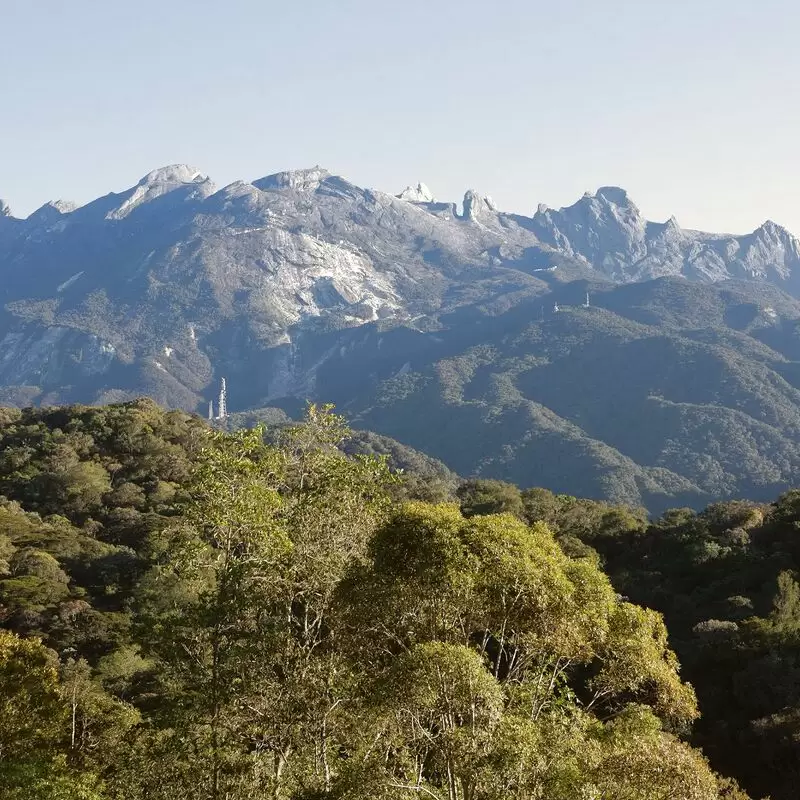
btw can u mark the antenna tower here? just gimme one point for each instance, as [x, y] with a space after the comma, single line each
[222, 408]
[586, 304]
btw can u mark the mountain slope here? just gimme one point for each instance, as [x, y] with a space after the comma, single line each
[591, 402]
[429, 323]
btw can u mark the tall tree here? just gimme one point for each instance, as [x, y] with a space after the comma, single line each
[500, 667]
[34, 728]
[241, 597]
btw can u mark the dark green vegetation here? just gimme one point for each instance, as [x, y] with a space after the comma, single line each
[424, 478]
[224, 618]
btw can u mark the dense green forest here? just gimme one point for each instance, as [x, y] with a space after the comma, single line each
[194, 613]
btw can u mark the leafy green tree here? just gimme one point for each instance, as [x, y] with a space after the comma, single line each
[119, 671]
[506, 667]
[786, 605]
[204, 599]
[27, 594]
[37, 564]
[441, 707]
[240, 601]
[482, 496]
[33, 763]
[32, 712]
[52, 780]
[638, 762]
[98, 722]
[6, 551]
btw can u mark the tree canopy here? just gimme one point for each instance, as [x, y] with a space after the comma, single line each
[192, 613]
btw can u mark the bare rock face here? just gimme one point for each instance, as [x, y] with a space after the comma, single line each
[770, 253]
[301, 180]
[54, 356]
[51, 213]
[606, 229]
[477, 207]
[607, 232]
[163, 287]
[417, 194]
[189, 181]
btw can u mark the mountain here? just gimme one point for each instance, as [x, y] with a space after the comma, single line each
[425, 321]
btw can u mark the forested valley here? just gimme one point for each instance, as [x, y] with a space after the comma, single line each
[187, 612]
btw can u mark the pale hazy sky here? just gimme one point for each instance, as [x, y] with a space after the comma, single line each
[691, 105]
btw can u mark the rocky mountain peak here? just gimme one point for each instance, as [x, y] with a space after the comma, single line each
[477, 206]
[298, 180]
[160, 182]
[5, 209]
[417, 194]
[53, 209]
[63, 206]
[613, 203]
[772, 231]
[51, 212]
[669, 230]
[614, 195]
[605, 229]
[173, 174]
[770, 252]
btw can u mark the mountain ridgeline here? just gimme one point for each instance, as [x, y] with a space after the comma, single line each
[584, 349]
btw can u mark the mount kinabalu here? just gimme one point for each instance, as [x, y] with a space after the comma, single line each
[287, 284]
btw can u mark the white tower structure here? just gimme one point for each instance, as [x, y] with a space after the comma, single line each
[586, 304]
[211, 409]
[555, 308]
[222, 407]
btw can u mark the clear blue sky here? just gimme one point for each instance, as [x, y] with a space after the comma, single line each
[692, 105]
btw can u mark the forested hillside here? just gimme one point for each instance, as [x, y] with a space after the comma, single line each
[658, 394]
[726, 581]
[189, 613]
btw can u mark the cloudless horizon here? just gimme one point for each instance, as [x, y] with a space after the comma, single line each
[690, 106]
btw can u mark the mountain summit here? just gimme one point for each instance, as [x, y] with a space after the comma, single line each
[177, 264]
